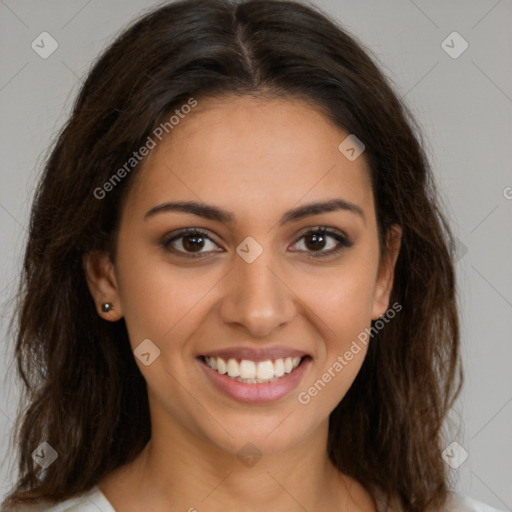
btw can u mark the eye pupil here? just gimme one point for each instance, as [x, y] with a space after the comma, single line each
[193, 242]
[315, 239]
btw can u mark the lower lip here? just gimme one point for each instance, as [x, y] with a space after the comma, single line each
[256, 393]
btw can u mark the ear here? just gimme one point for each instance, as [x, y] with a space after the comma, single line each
[384, 283]
[102, 283]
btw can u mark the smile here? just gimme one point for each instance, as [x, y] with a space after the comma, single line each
[254, 375]
[253, 372]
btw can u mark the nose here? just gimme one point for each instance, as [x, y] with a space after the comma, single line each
[258, 298]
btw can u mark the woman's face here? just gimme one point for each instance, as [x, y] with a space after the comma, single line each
[247, 283]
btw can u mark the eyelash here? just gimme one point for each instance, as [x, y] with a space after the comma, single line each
[343, 242]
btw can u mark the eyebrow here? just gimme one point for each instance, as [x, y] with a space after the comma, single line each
[217, 214]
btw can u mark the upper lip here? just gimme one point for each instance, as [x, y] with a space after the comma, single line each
[256, 354]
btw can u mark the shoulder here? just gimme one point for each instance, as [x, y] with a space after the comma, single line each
[462, 503]
[90, 501]
[455, 502]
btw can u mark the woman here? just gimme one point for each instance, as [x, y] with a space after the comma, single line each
[238, 290]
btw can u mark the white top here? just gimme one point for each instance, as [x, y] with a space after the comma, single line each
[95, 501]
[90, 501]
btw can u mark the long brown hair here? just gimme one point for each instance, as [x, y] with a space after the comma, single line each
[85, 395]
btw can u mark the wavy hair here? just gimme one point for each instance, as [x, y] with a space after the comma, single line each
[84, 393]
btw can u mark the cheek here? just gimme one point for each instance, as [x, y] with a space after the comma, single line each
[159, 309]
[343, 301]
[156, 296]
[345, 310]
[342, 298]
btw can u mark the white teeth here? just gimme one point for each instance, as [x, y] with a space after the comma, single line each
[279, 368]
[247, 369]
[251, 371]
[265, 370]
[220, 363]
[233, 368]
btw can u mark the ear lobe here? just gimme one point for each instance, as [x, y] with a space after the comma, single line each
[101, 280]
[384, 283]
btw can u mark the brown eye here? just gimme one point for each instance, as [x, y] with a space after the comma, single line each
[190, 242]
[193, 243]
[319, 239]
[315, 241]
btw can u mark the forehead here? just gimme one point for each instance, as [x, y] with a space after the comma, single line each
[252, 153]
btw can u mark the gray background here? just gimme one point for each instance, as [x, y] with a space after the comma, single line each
[464, 105]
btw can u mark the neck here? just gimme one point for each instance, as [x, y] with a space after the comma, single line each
[180, 470]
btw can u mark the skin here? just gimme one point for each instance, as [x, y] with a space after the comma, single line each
[256, 158]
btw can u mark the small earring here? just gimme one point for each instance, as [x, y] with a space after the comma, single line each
[107, 307]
